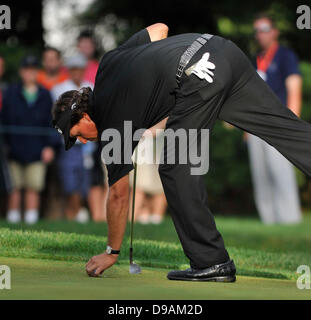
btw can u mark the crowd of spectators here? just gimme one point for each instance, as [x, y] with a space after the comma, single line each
[29, 144]
[31, 148]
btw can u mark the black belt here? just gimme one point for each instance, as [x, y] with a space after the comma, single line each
[190, 52]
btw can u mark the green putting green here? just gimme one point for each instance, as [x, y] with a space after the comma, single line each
[258, 250]
[47, 261]
[47, 279]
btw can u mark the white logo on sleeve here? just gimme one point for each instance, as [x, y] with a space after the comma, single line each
[202, 69]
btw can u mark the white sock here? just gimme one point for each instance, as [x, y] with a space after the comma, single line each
[143, 218]
[14, 216]
[82, 216]
[31, 216]
[156, 218]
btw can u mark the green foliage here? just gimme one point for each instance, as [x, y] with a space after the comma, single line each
[305, 68]
[228, 159]
[13, 53]
[228, 180]
[232, 19]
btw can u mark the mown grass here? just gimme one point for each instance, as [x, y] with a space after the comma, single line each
[258, 250]
[47, 279]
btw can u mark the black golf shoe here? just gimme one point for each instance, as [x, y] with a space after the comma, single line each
[224, 272]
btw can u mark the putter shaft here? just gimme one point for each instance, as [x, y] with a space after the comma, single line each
[133, 207]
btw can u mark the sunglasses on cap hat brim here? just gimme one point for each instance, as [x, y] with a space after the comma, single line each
[63, 126]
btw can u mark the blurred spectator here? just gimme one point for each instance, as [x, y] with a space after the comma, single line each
[53, 72]
[150, 200]
[74, 171]
[26, 104]
[87, 46]
[4, 176]
[98, 193]
[5, 183]
[2, 84]
[2, 68]
[275, 187]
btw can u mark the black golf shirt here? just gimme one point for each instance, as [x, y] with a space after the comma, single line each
[136, 82]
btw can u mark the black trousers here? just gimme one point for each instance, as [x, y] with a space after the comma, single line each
[240, 97]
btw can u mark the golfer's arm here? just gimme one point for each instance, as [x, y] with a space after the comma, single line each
[117, 211]
[157, 31]
[294, 93]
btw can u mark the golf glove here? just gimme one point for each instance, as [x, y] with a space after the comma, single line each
[203, 68]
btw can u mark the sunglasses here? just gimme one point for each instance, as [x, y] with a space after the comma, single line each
[264, 28]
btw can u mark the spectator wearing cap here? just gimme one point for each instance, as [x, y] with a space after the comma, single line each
[86, 45]
[98, 192]
[53, 71]
[27, 105]
[74, 164]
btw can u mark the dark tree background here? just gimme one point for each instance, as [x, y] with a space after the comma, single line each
[203, 16]
[229, 18]
[26, 23]
[25, 35]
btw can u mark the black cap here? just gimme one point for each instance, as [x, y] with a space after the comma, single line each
[63, 122]
[29, 60]
[63, 126]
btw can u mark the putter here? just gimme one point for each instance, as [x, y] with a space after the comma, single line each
[134, 268]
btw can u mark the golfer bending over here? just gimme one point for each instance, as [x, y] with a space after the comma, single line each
[185, 81]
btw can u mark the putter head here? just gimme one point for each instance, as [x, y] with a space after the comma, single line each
[134, 268]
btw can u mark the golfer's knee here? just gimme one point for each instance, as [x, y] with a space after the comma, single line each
[120, 190]
[117, 195]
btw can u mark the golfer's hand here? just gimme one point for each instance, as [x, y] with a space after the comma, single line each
[98, 264]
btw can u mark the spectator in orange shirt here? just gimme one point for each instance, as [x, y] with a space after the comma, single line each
[53, 72]
[87, 46]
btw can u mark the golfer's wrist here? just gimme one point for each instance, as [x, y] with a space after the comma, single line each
[113, 256]
[112, 250]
